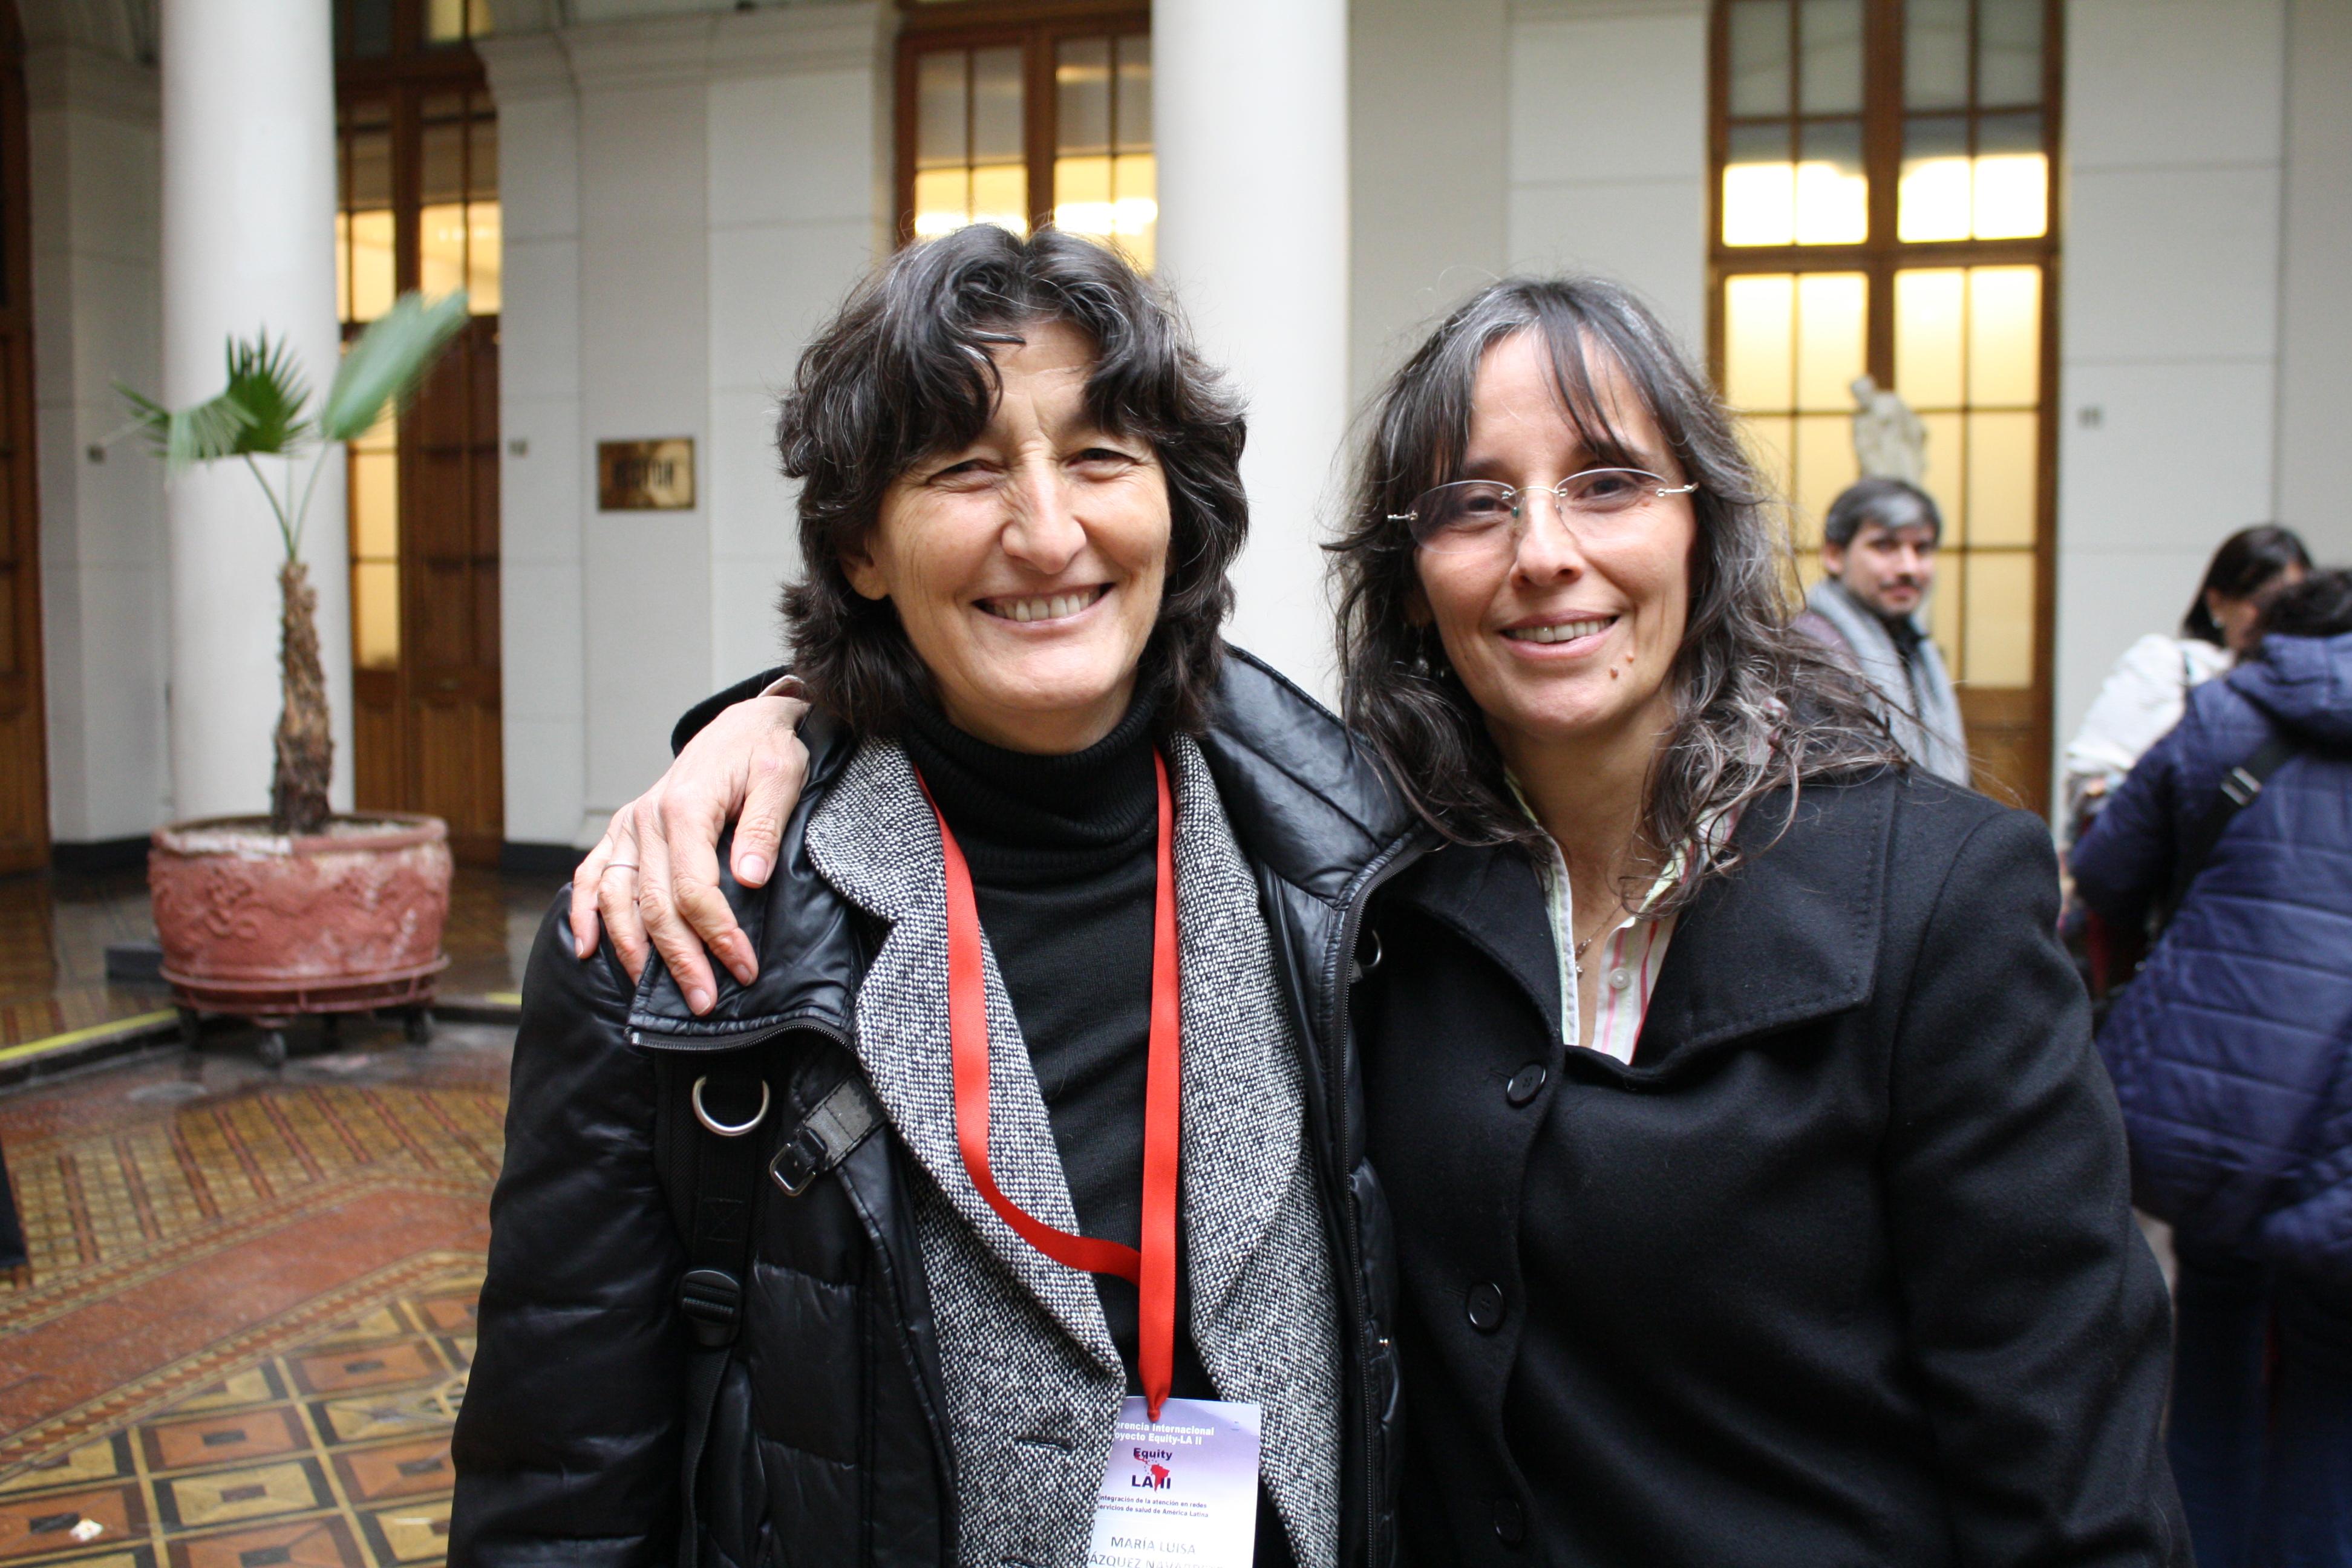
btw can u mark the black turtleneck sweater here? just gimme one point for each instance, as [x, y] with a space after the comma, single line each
[1062, 851]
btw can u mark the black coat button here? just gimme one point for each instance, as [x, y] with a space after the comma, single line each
[1485, 1306]
[1510, 1522]
[1526, 1083]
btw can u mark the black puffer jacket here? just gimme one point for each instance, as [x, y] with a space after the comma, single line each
[829, 1438]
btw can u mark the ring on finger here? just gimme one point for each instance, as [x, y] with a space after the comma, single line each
[616, 866]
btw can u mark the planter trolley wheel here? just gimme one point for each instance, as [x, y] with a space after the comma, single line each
[271, 1006]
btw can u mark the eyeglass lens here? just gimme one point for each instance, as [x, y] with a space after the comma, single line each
[1474, 513]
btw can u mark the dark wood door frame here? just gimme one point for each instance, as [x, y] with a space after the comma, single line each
[24, 714]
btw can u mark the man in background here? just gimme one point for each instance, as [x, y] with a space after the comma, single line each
[1878, 546]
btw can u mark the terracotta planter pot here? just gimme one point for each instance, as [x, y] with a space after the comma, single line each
[268, 927]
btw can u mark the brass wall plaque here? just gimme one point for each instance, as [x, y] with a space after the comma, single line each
[646, 475]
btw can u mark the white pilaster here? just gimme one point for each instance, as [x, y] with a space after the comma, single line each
[687, 198]
[1250, 121]
[96, 203]
[1608, 148]
[249, 244]
[2169, 326]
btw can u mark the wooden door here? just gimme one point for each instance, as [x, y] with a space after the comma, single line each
[24, 766]
[419, 210]
[449, 577]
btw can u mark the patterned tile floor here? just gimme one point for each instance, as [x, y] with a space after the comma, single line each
[244, 1329]
[53, 932]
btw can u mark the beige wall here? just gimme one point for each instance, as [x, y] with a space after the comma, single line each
[2315, 458]
[2206, 375]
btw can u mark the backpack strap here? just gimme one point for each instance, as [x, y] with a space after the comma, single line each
[837, 1125]
[709, 1167]
[709, 1170]
[2240, 787]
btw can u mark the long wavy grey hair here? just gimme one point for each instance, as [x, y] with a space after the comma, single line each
[1759, 706]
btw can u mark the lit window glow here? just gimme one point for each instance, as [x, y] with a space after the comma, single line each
[1111, 199]
[948, 199]
[2001, 196]
[1812, 202]
[363, 272]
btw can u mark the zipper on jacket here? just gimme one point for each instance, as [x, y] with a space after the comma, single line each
[833, 1032]
[1389, 862]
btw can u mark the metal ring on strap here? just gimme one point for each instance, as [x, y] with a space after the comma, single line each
[719, 1126]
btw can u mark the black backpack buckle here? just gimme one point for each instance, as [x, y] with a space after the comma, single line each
[712, 1300]
[801, 1159]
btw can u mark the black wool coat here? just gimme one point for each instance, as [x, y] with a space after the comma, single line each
[1841, 1270]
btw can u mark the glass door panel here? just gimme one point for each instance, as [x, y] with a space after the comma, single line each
[971, 163]
[1106, 185]
[1967, 358]
[1793, 344]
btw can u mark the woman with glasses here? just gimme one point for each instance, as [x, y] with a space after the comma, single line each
[1759, 1197]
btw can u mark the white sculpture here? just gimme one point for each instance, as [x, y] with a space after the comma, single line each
[1889, 441]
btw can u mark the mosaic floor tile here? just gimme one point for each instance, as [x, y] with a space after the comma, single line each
[258, 1491]
[323, 1543]
[39, 1524]
[242, 1341]
[218, 1439]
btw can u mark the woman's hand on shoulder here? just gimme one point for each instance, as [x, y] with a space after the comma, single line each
[652, 880]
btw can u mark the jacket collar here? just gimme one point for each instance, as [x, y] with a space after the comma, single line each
[1490, 896]
[1307, 801]
[1792, 936]
[875, 840]
[809, 954]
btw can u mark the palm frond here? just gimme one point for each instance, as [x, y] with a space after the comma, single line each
[258, 412]
[386, 366]
[264, 381]
[214, 428]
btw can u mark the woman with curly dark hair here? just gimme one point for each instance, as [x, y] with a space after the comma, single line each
[1758, 1195]
[1006, 1175]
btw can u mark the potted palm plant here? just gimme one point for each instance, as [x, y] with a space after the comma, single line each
[301, 911]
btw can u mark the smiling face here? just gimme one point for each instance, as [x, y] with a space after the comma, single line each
[1563, 645]
[1027, 567]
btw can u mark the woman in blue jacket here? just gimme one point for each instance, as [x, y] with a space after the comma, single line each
[2232, 1053]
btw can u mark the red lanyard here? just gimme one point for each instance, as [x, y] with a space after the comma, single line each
[1152, 1270]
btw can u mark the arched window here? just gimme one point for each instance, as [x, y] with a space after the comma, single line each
[1883, 206]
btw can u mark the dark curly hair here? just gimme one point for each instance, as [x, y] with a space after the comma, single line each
[904, 371]
[1759, 706]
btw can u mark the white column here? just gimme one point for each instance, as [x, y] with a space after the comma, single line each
[249, 244]
[1250, 125]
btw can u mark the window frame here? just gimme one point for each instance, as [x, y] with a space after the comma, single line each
[1879, 258]
[1036, 28]
[412, 57]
